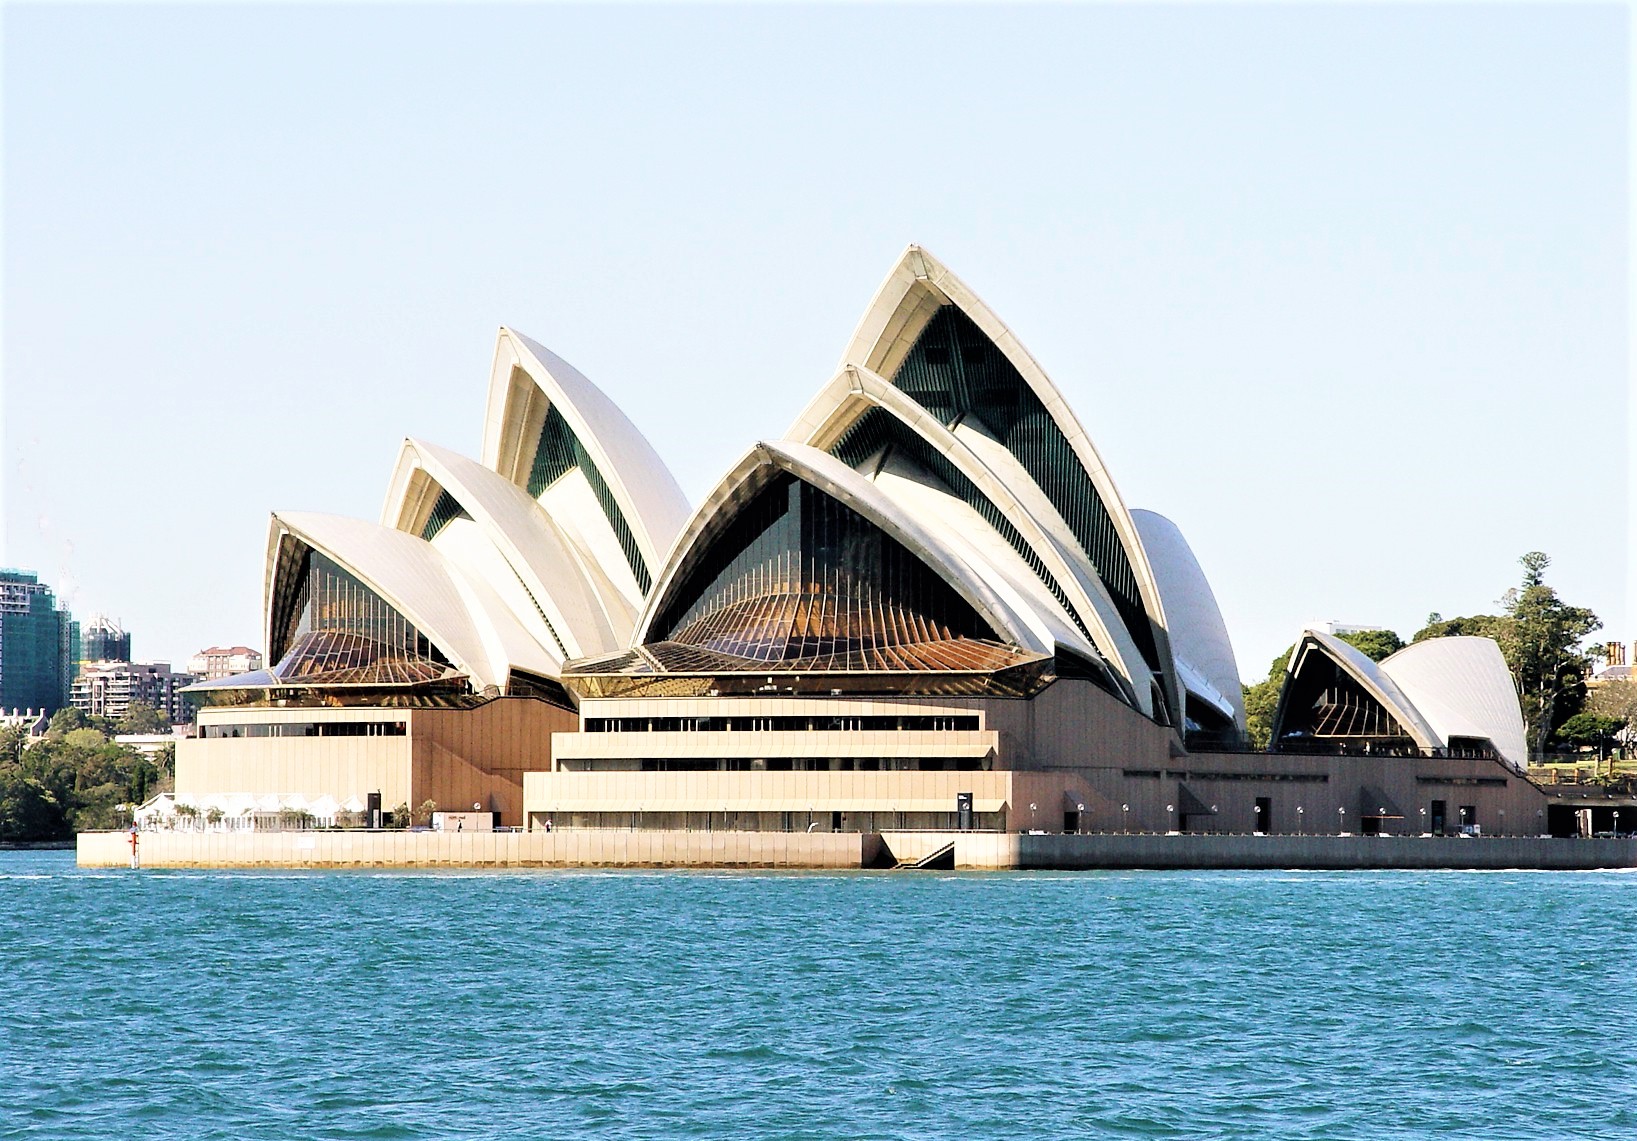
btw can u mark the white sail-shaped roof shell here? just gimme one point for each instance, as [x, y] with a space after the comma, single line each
[1462, 687]
[1439, 689]
[1370, 676]
[854, 391]
[463, 617]
[829, 475]
[918, 286]
[509, 542]
[526, 382]
[1199, 636]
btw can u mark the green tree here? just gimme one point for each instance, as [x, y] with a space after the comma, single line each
[140, 717]
[1588, 729]
[1374, 644]
[1262, 702]
[1473, 626]
[66, 719]
[1616, 699]
[1541, 639]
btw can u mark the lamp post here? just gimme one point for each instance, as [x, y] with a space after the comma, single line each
[1341, 821]
[1503, 822]
[1299, 811]
[1423, 812]
[1616, 822]
[1125, 818]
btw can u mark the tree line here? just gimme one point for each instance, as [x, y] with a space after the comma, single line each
[76, 776]
[1540, 637]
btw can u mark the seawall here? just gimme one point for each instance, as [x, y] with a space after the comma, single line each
[973, 850]
[997, 850]
[559, 849]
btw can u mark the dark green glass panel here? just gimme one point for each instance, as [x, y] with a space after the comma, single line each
[558, 452]
[878, 429]
[956, 372]
[444, 512]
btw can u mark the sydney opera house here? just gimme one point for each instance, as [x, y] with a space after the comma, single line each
[926, 607]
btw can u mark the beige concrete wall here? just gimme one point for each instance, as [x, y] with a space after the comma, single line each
[1075, 725]
[563, 792]
[313, 766]
[1278, 852]
[1412, 783]
[972, 744]
[473, 849]
[452, 757]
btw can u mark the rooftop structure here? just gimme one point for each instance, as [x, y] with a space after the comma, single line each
[926, 606]
[224, 661]
[39, 644]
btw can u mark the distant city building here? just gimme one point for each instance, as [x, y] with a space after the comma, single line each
[1337, 629]
[39, 644]
[150, 745]
[1615, 667]
[104, 640]
[224, 661]
[34, 722]
[107, 689]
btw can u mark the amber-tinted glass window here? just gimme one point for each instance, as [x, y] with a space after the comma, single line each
[797, 574]
[330, 627]
[956, 372]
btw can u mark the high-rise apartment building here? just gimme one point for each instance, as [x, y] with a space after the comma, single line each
[104, 640]
[224, 661]
[107, 689]
[39, 644]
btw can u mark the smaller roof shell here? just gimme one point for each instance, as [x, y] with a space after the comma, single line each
[1463, 688]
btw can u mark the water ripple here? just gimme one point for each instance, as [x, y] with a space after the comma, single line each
[536, 1004]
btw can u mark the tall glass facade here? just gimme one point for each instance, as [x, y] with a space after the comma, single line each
[328, 627]
[879, 429]
[955, 372]
[39, 645]
[799, 577]
[559, 451]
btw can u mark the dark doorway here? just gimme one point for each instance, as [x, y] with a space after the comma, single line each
[835, 822]
[1264, 814]
[1439, 811]
[1370, 826]
[1071, 821]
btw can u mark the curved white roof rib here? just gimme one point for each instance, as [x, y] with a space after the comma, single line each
[842, 483]
[465, 619]
[580, 621]
[1370, 676]
[525, 382]
[1199, 637]
[1463, 688]
[853, 391]
[918, 286]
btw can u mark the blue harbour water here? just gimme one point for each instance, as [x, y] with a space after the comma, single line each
[871, 1005]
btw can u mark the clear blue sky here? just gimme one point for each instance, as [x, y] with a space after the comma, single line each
[1340, 289]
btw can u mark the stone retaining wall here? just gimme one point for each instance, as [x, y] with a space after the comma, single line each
[560, 848]
[974, 850]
